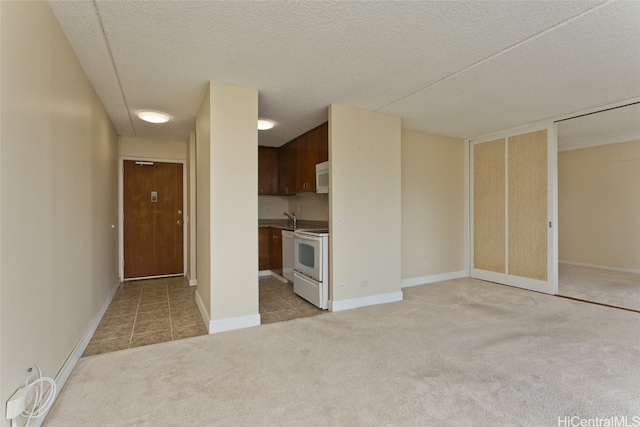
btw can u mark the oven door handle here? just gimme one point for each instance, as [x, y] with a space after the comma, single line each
[307, 237]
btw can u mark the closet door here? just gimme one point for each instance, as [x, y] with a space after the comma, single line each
[513, 209]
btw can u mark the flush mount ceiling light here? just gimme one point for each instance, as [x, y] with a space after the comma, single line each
[264, 124]
[153, 116]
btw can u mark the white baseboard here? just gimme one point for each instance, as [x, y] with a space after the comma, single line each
[405, 283]
[81, 346]
[233, 323]
[365, 301]
[229, 324]
[263, 273]
[601, 267]
[203, 311]
[192, 282]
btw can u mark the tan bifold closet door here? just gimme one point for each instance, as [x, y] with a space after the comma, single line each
[513, 209]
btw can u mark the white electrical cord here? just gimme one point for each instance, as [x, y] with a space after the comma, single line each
[38, 406]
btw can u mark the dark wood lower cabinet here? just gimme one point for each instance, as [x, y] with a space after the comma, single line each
[275, 254]
[270, 249]
[264, 247]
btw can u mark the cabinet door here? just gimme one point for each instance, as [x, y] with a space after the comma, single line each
[286, 168]
[267, 170]
[275, 254]
[311, 148]
[319, 139]
[305, 179]
[264, 247]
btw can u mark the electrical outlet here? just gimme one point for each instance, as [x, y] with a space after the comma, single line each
[364, 283]
[18, 402]
[342, 286]
[425, 265]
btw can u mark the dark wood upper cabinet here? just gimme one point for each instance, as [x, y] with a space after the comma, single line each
[291, 168]
[286, 169]
[311, 148]
[267, 170]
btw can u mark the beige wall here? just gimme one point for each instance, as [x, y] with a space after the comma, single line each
[231, 172]
[432, 205]
[365, 198]
[59, 197]
[203, 201]
[191, 197]
[599, 205]
[130, 146]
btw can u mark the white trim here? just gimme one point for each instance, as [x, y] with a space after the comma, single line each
[467, 206]
[511, 280]
[152, 277]
[416, 281]
[233, 323]
[185, 210]
[264, 273]
[192, 282]
[365, 301]
[552, 207]
[71, 362]
[601, 267]
[279, 277]
[519, 129]
[549, 286]
[203, 311]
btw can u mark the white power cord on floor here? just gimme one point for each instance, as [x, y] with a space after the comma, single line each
[39, 398]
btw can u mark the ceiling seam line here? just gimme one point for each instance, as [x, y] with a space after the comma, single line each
[113, 64]
[496, 54]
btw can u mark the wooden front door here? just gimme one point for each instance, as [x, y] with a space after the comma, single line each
[153, 219]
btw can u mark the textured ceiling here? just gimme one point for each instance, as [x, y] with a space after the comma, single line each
[606, 127]
[459, 68]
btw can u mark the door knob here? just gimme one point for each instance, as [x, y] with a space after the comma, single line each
[179, 222]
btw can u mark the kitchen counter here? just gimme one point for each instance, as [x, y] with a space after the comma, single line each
[285, 224]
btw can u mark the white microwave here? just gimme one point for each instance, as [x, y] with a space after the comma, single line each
[322, 177]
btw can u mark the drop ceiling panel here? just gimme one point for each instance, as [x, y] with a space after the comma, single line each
[607, 127]
[301, 56]
[582, 64]
[81, 25]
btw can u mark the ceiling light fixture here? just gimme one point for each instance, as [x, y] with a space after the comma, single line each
[264, 124]
[153, 116]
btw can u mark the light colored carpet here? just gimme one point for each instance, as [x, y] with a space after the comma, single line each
[602, 286]
[457, 353]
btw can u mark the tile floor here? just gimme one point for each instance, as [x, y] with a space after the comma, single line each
[158, 310]
[278, 302]
[148, 312]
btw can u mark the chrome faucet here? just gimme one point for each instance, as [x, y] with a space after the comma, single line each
[293, 220]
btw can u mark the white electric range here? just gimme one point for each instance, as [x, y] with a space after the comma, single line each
[311, 266]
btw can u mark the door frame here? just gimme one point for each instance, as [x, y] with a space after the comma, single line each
[185, 209]
[551, 286]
